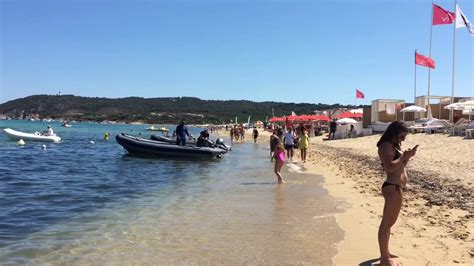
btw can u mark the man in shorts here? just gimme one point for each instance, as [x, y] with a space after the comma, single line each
[332, 128]
[289, 140]
[255, 134]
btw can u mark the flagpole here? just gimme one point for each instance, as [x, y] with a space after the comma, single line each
[451, 111]
[431, 39]
[414, 98]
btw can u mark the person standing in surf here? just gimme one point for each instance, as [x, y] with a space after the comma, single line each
[255, 134]
[303, 144]
[279, 160]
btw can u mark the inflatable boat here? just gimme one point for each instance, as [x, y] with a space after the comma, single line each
[219, 143]
[30, 136]
[136, 145]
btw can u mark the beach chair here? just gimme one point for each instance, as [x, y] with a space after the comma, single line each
[433, 125]
[459, 128]
[470, 133]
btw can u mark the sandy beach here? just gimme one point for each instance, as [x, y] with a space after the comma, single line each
[435, 226]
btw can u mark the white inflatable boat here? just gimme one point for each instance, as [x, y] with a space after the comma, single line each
[30, 136]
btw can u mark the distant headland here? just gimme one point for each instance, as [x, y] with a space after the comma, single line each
[152, 110]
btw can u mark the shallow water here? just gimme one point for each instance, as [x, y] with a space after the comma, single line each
[82, 203]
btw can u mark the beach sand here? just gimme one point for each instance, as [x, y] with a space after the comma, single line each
[435, 226]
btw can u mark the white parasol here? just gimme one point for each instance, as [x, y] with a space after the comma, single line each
[468, 105]
[413, 108]
[454, 106]
[347, 121]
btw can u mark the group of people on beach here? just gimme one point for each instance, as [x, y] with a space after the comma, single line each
[393, 161]
[282, 147]
[237, 133]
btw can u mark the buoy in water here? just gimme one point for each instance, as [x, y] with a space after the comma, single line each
[21, 142]
[91, 142]
[43, 147]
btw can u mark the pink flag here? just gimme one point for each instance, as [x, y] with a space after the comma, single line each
[424, 60]
[441, 16]
[359, 94]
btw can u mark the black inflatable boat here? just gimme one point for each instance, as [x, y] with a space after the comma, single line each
[136, 145]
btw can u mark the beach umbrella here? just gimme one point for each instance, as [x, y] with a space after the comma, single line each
[323, 118]
[277, 119]
[349, 115]
[292, 117]
[468, 105]
[320, 118]
[413, 108]
[346, 121]
[453, 106]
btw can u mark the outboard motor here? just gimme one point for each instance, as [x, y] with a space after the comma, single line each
[220, 144]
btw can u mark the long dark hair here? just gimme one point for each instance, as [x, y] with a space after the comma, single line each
[395, 128]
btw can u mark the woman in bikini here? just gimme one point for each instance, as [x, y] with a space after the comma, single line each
[279, 160]
[393, 162]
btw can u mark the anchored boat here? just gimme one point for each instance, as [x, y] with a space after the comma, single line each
[30, 136]
[136, 145]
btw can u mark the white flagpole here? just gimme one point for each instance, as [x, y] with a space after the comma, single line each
[451, 111]
[431, 38]
[414, 98]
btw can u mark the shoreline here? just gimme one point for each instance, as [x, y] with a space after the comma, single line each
[435, 225]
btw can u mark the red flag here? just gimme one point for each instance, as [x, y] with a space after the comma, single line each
[359, 94]
[424, 60]
[441, 16]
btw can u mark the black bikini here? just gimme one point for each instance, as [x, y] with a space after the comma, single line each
[395, 156]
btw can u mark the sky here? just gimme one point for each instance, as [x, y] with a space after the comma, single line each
[286, 51]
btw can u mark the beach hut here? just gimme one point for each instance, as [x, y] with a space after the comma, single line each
[385, 110]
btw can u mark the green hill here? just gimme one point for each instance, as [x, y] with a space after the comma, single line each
[151, 110]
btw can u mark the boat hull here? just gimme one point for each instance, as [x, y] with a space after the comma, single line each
[135, 145]
[17, 135]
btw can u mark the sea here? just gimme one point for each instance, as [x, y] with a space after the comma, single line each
[86, 201]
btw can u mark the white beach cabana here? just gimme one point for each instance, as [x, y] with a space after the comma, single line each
[412, 109]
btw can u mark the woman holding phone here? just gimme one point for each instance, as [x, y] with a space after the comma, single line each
[393, 162]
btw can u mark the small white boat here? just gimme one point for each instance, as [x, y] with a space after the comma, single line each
[162, 129]
[30, 136]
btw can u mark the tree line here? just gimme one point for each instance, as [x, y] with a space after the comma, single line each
[153, 110]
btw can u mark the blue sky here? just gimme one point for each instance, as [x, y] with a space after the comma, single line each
[289, 51]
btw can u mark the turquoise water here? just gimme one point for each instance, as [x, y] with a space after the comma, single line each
[81, 202]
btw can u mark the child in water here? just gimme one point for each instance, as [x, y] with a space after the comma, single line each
[279, 161]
